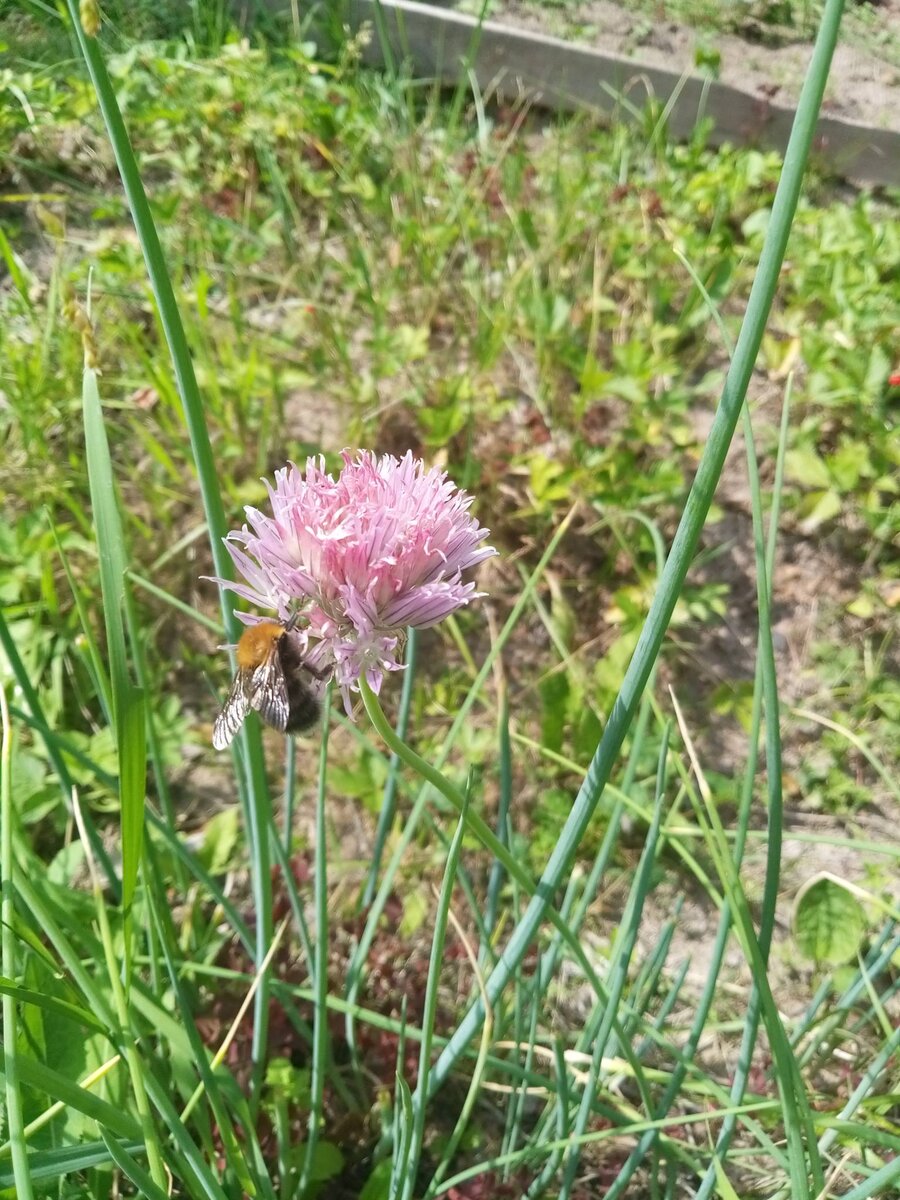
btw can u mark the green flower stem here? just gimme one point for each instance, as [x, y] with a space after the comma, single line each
[321, 1043]
[685, 542]
[389, 797]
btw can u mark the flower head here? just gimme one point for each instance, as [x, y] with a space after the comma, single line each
[363, 556]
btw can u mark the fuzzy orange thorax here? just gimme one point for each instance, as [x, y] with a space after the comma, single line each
[256, 644]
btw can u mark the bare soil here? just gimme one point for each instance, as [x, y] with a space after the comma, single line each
[864, 85]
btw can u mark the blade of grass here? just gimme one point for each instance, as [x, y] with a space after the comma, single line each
[487, 837]
[474, 1089]
[495, 880]
[53, 1164]
[200, 1062]
[132, 1170]
[475, 823]
[100, 674]
[53, 1004]
[527, 1155]
[128, 711]
[14, 1111]
[802, 1152]
[879, 1183]
[58, 1107]
[58, 1088]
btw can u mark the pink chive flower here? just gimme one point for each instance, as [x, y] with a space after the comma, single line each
[361, 556]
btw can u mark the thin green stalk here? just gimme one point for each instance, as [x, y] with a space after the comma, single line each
[495, 880]
[880, 1183]
[14, 1113]
[473, 1093]
[489, 839]
[803, 1158]
[389, 796]
[528, 1154]
[211, 889]
[685, 541]
[165, 299]
[560, 1111]
[129, 716]
[294, 898]
[512, 1132]
[611, 836]
[321, 1042]
[429, 1012]
[290, 795]
[131, 1169]
[865, 1086]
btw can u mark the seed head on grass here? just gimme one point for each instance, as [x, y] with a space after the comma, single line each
[362, 556]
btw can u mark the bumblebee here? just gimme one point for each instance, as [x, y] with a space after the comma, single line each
[272, 680]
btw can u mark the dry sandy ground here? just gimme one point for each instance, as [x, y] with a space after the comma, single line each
[864, 85]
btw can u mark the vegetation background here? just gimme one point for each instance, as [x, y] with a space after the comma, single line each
[547, 309]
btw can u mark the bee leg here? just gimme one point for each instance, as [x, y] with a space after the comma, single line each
[316, 673]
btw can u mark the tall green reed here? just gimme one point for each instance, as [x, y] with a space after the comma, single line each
[250, 774]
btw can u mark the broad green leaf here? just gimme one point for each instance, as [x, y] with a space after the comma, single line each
[378, 1185]
[817, 508]
[220, 838]
[829, 922]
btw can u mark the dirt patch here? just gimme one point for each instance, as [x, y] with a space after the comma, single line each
[864, 85]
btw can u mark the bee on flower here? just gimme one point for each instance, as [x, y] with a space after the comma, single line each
[346, 564]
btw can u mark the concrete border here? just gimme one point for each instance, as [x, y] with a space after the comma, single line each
[443, 44]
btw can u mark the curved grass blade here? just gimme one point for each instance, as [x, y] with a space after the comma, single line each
[67, 1160]
[128, 711]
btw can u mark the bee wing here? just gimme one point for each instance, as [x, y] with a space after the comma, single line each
[234, 710]
[268, 692]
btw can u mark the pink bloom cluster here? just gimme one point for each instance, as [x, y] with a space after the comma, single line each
[361, 556]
